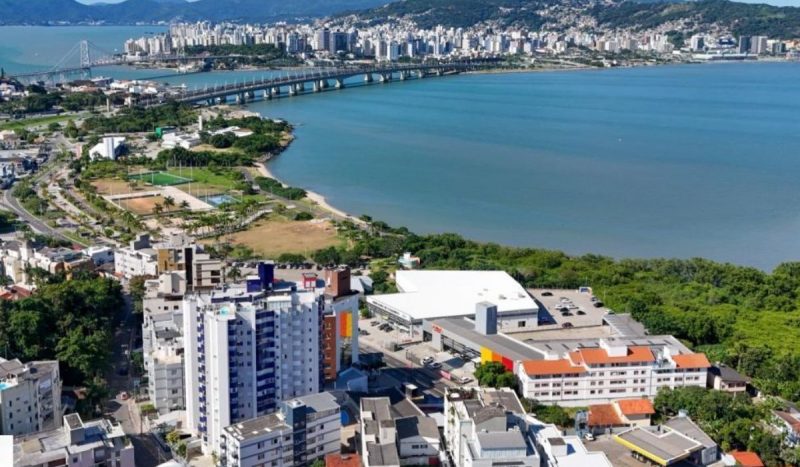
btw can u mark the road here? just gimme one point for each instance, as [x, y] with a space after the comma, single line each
[405, 370]
[37, 225]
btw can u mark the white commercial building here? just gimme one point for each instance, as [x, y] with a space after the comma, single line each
[576, 373]
[162, 349]
[426, 295]
[246, 350]
[76, 444]
[110, 147]
[30, 397]
[303, 430]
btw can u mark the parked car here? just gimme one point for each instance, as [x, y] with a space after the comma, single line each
[427, 360]
[464, 379]
[547, 294]
[566, 325]
[598, 304]
[434, 365]
[581, 312]
[588, 436]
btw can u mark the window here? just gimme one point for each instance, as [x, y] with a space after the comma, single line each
[520, 324]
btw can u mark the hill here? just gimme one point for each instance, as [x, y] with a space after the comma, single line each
[739, 18]
[25, 12]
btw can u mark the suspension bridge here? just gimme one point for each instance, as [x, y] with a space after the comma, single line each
[85, 55]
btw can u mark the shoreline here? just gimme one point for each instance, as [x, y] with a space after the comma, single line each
[315, 197]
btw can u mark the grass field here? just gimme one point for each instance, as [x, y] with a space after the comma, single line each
[41, 121]
[273, 237]
[204, 181]
[161, 178]
[141, 206]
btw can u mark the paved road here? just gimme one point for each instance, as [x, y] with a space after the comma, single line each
[405, 370]
[38, 226]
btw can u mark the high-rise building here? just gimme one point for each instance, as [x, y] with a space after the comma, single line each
[30, 397]
[248, 348]
[758, 45]
[744, 44]
[303, 430]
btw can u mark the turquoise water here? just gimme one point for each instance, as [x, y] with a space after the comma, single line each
[670, 161]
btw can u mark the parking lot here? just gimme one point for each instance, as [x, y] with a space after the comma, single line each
[618, 454]
[568, 308]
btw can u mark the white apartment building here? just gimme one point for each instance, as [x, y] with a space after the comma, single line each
[487, 427]
[137, 259]
[246, 350]
[397, 434]
[30, 397]
[18, 256]
[76, 444]
[303, 430]
[162, 348]
[610, 369]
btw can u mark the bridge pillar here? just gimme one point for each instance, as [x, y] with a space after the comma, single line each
[339, 83]
[241, 99]
[420, 74]
[251, 95]
[210, 102]
[323, 83]
[403, 76]
[276, 91]
[292, 90]
[385, 77]
[368, 78]
[316, 86]
[267, 95]
[300, 87]
[439, 72]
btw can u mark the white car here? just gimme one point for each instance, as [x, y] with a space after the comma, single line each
[427, 360]
[588, 436]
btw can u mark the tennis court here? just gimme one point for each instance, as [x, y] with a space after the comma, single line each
[160, 178]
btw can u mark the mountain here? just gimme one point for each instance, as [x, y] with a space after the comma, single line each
[739, 18]
[150, 11]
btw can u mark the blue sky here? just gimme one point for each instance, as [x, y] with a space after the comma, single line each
[771, 2]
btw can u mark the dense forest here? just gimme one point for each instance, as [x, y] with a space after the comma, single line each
[461, 13]
[138, 119]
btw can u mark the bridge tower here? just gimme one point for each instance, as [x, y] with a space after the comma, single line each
[86, 58]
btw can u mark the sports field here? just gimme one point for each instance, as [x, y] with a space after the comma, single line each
[161, 178]
[141, 206]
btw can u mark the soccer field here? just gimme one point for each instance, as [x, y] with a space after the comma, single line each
[161, 178]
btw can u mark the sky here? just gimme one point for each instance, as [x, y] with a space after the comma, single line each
[771, 2]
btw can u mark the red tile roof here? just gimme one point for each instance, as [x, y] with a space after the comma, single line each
[692, 360]
[595, 356]
[603, 415]
[342, 460]
[747, 459]
[636, 407]
[550, 367]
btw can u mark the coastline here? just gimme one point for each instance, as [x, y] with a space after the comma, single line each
[317, 198]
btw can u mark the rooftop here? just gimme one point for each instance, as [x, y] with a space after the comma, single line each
[596, 356]
[728, 374]
[664, 447]
[551, 367]
[382, 454]
[636, 407]
[439, 294]
[602, 415]
[747, 459]
[499, 343]
[695, 360]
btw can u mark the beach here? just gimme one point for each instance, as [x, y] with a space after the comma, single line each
[315, 197]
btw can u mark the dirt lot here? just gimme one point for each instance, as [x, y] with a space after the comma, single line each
[141, 206]
[273, 237]
[109, 186]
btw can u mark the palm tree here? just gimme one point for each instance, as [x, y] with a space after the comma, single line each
[184, 204]
[158, 209]
[169, 202]
[235, 273]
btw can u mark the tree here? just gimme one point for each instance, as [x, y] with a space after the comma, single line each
[235, 273]
[494, 374]
[184, 204]
[169, 202]
[181, 449]
[158, 209]
[173, 437]
[319, 462]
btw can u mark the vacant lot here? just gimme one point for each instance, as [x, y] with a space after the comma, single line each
[273, 237]
[114, 186]
[141, 206]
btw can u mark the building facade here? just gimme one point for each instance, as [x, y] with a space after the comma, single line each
[614, 369]
[246, 350]
[30, 397]
[303, 430]
[76, 444]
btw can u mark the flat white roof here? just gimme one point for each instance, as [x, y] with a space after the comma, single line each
[442, 294]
